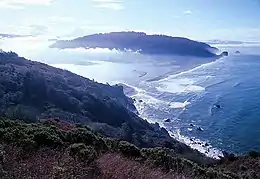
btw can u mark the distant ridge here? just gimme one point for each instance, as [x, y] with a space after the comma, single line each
[141, 42]
[12, 36]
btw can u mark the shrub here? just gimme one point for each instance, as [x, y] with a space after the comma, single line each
[2, 124]
[129, 149]
[7, 123]
[27, 144]
[75, 148]
[254, 154]
[81, 135]
[88, 154]
[82, 152]
[45, 138]
[8, 137]
[112, 144]
[2, 131]
[100, 144]
[2, 156]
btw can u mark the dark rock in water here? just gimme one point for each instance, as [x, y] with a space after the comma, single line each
[167, 120]
[206, 145]
[140, 101]
[199, 129]
[224, 54]
[191, 125]
[237, 52]
[218, 106]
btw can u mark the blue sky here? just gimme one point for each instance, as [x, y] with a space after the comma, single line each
[195, 19]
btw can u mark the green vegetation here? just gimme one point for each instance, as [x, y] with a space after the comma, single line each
[83, 152]
[254, 154]
[85, 146]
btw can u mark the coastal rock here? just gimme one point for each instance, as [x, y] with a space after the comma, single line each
[218, 106]
[206, 145]
[167, 120]
[224, 54]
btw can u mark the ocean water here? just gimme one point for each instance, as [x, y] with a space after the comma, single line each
[189, 98]
[185, 90]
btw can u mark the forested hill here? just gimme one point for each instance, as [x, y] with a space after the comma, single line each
[141, 42]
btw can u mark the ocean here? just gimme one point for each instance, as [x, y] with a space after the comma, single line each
[212, 105]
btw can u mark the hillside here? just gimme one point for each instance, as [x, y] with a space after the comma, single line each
[141, 42]
[32, 91]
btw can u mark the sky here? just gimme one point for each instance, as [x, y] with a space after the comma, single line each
[195, 19]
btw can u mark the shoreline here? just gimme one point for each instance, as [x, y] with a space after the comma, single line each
[202, 146]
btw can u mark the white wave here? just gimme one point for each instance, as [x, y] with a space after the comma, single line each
[177, 105]
[179, 86]
[203, 66]
[150, 101]
[194, 88]
[202, 146]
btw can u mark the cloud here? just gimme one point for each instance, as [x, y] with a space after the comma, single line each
[19, 4]
[188, 12]
[38, 30]
[26, 29]
[61, 19]
[238, 34]
[108, 4]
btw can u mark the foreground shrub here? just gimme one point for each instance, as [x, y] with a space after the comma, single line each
[75, 148]
[112, 144]
[89, 154]
[82, 152]
[45, 138]
[81, 135]
[129, 149]
[254, 154]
